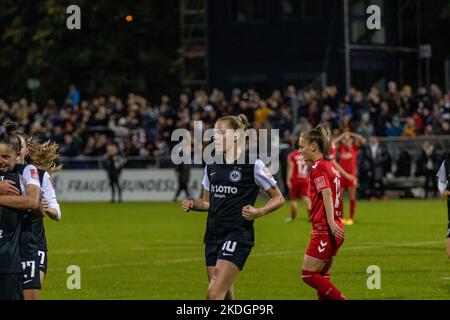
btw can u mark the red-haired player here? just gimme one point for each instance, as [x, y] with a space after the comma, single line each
[348, 146]
[297, 181]
[328, 232]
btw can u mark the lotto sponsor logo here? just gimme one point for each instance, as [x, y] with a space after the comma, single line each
[224, 189]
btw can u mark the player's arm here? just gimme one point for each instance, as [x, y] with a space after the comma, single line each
[360, 140]
[31, 198]
[201, 204]
[275, 202]
[48, 201]
[327, 197]
[29, 201]
[339, 138]
[442, 181]
[265, 180]
[196, 205]
[344, 173]
[290, 170]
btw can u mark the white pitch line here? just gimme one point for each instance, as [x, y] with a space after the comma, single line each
[274, 253]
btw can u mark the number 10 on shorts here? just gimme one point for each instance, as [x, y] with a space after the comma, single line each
[229, 246]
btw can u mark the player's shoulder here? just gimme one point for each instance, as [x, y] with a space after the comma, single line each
[321, 165]
[294, 153]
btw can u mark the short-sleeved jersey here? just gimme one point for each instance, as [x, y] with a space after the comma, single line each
[300, 168]
[348, 158]
[10, 233]
[33, 232]
[231, 187]
[323, 176]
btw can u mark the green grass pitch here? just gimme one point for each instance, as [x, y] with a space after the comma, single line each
[154, 251]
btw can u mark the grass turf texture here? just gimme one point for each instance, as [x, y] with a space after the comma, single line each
[154, 251]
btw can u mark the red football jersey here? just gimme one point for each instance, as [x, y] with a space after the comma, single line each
[323, 176]
[301, 170]
[348, 158]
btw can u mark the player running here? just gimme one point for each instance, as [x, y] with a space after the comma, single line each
[348, 147]
[297, 181]
[229, 194]
[328, 233]
[34, 243]
[444, 188]
[12, 213]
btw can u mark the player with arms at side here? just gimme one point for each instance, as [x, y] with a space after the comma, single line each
[348, 147]
[297, 181]
[443, 176]
[230, 190]
[328, 232]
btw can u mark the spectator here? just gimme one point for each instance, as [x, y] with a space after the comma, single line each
[427, 166]
[375, 158]
[73, 96]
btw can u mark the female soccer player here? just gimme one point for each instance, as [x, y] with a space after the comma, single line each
[12, 213]
[348, 147]
[34, 243]
[328, 233]
[444, 188]
[332, 157]
[229, 194]
[297, 181]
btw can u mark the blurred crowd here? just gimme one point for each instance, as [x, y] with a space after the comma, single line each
[142, 128]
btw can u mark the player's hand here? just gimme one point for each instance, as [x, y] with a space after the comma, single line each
[7, 188]
[289, 184]
[187, 205]
[446, 193]
[44, 204]
[250, 213]
[336, 230]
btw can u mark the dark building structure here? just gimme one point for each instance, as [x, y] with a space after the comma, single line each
[270, 44]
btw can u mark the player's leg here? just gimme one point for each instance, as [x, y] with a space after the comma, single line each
[119, 189]
[222, 280]
[294, 208]
[352, 196]
[293, 191]
[448, 248]
[316, 265]
[230, 293]
[113, 192]
[31, 281]
[31, 294]
[312, 274]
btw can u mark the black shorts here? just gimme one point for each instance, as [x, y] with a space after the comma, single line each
[232, 251]
[42, 261]
[31, 278]
[11, 286]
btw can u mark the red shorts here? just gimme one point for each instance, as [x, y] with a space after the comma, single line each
[347, 184]
[323, 246]
[299, 189]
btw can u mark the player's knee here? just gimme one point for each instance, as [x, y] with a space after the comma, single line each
[448, 253]
[214, 294]
[307, 276]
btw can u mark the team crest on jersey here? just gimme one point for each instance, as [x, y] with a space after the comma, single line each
[235, 176]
